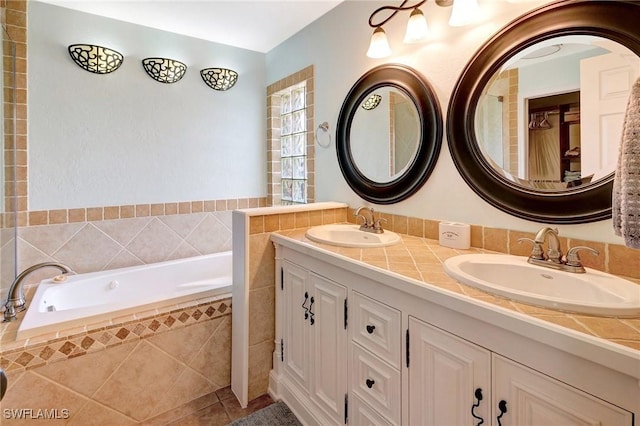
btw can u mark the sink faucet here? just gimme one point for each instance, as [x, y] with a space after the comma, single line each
[16, 301]
[554, 254]
[370, 223]
[553, 258]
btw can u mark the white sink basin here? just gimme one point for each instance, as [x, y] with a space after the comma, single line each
[593, 292]
[345, 235]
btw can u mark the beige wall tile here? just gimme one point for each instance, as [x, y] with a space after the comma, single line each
[127, 211]
[38, 217]
[495, 239]
[261, 261]
[271, 223]
[112, 212]
[261, 315]
[287, 221]
[256, 224]
[415, 227]
[260, 364]
[624, 261]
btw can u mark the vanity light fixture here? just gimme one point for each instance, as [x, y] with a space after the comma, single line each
[164, 70]
[371, 102]
[462, 13]
[219, 78]
[95, 59]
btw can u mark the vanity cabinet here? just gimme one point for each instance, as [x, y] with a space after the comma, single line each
[314, 340]
[455, 382]
[449, 378]
[533, 399]
[358, 348]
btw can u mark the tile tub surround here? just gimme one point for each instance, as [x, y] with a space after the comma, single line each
[90, 246]
[126, 372]
[421, 259]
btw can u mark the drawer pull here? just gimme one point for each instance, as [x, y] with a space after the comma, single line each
[312, 316]
[370, 383]
[370, 328]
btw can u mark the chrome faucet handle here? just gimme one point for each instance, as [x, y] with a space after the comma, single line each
[377, 226]
[536, 251]
[573, 259]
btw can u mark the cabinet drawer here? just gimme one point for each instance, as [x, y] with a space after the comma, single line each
[377, 328]
[363, 415]
[376, 383]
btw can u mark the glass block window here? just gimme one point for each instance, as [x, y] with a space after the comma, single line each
[293, 144]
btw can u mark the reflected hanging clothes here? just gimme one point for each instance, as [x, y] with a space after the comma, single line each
[626, 184]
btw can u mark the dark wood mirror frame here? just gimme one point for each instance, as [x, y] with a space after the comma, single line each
[411, 83]
[616, 20]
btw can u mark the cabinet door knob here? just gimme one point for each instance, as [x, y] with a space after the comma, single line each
[370, 383]
[370, 328]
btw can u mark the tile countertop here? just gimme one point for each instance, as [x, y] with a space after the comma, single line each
[421, 259]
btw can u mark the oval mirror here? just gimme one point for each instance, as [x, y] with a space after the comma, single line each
[536, 117]
[389, 134]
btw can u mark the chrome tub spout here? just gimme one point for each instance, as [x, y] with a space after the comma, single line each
[16, 301]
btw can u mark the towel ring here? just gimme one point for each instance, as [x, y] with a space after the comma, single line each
[325, 128]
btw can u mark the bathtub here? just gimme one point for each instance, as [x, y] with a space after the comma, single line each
[91, 298]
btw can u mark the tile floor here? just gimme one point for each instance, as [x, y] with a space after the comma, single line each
[215, 409]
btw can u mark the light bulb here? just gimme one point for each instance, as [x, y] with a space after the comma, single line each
[417, 28]
[464, 11]
[379, 47]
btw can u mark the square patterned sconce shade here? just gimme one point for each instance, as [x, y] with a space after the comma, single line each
[219, 78]
[164, 70]
[95, 59]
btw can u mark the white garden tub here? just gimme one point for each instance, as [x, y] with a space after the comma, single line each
[90, 298]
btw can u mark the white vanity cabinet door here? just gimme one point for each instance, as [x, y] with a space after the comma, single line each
[534, 399]
[328, 346]
[296, 292]
[445, 373]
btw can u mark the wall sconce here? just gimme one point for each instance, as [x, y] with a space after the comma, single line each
[95, 59]
[164, 70]
[371, 102]
[219, 78]
[462, 13]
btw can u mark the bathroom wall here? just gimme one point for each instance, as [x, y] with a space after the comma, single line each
[123, 138]
[336, 44]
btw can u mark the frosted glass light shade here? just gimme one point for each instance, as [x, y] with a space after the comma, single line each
[379, 46]
[417, 29]
[464, 11]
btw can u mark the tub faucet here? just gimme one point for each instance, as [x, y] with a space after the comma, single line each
[16, 301]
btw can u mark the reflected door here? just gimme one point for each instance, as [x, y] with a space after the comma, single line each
[605, 82]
